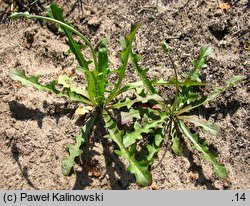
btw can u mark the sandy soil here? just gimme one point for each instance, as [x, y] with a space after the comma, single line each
[36, 127]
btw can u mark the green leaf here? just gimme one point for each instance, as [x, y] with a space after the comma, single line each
[130, 86]
[93, 85]
[102, 71]
[173, 82]
[125, 53]
[17, 15]
[127, 117]
[199, 63]
[150, 122]
[142, 175]
[142, 73]
[152, 150]
[219, 169]
[140, 170]
[64, 81]
[124, 103]
[206, 125]
[215, 93]
[159, 137]
[19, 75]
[139, 98]
[57, 14]
[75, 150]
[166, 47]
[177, 146]
[228, 84]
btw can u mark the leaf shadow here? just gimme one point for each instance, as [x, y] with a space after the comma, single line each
[222, 109]
[87, 162]
[119, 178]
[194, 167]
[114, 165]
[20, 112]
[4, 15]
[24, 170]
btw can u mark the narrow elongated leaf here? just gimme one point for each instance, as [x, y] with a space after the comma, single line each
[140, 170]
[199, 63]
[19, 75]
[206, 125]
[130, 86]
[173, 82]
[64, 81]
[216, 92]
[103, 62]
[93, 83]
[75, 150]
[125, 53]
[143, 99]
[57, 14]
[103, 71]
[92, 86]
[142, 73]
[219, 169]
[177, 146]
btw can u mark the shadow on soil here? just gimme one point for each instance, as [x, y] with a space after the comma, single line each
[223, 108]
[114, 166]
[24, 170]
[116, 171]
[119, 178]
[21, 112]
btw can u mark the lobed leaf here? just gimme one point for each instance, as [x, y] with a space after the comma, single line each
[156, 146]
[177, 146]
[127, 117]
[219, 169]
[140, 170]
[173, 82]
[64, 81]
[199, 63]
[159, 137]
[150, 122]
[206, 125]
[214, 94]
[142, 73]
[19, 75]
[75, 150]
[129, 86]
[228, 84]
[139, 98]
